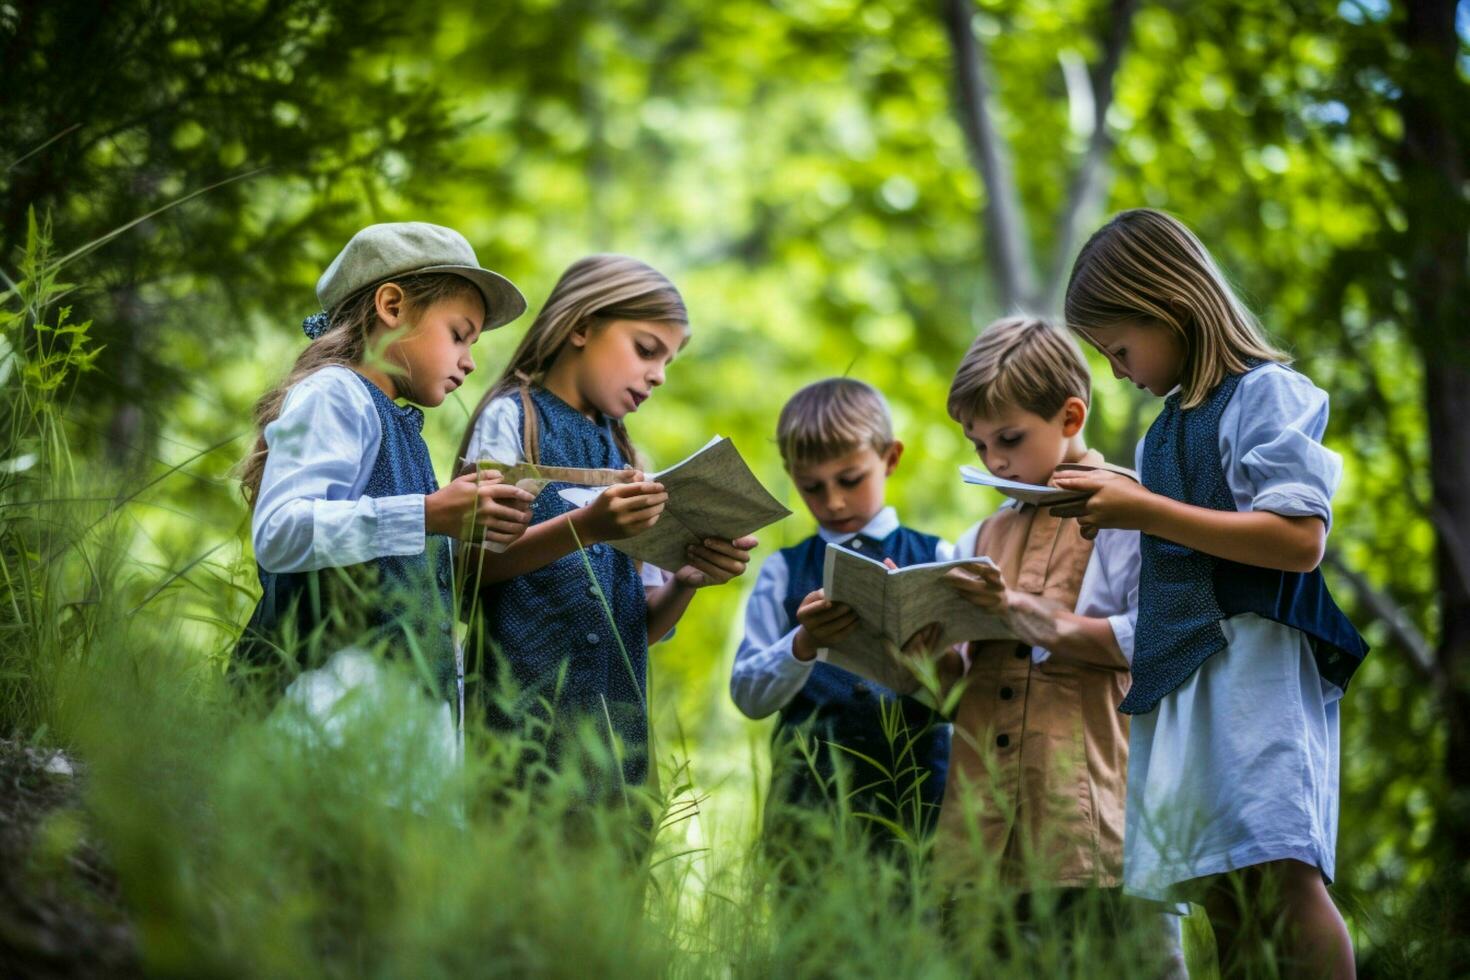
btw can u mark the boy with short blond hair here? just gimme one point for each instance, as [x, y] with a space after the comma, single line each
[837, 443]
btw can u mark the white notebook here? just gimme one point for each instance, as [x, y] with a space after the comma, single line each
[1026, 493]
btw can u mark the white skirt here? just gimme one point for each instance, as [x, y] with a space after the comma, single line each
[1237, 767]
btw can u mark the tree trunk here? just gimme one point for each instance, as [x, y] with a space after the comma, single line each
[1008, 245]
[1434, 252]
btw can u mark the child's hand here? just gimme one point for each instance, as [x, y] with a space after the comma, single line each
[716, 562]
[982, 584]
[823, 624]
[622, 510]
[1116, 501]
[1033, 617]
[478, 501]
[924, 643]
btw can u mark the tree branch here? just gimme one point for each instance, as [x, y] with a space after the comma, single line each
[1086, 190]
[1007, 242]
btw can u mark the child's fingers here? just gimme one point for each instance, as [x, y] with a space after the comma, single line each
[504, 534]
[709, 557]
[643, 523]
[635, 489]
[979, 582]
[633, 497]
[730, 549]
[490, 509]
[816, 595]
[1070, 480]
[842, 616]
[505, 492]
[713, 574]
[890, 563]
[833, 614]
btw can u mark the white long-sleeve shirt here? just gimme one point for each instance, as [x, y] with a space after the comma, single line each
[310, 512]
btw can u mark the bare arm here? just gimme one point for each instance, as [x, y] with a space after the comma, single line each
[1066, 635]
[1260, 538]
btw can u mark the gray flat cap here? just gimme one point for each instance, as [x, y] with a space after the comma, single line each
[399, 248]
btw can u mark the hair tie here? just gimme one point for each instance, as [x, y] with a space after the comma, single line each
[316, 325]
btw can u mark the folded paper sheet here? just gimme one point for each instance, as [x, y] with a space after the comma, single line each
[712, 494]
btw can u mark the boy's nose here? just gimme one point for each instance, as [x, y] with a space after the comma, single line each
[1118, 372]
[656, 376]
[467, 362]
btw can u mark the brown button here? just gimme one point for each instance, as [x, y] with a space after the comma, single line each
[1006, 694]
[1002, 740]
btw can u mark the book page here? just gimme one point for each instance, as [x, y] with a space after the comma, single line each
[712, 494]
[862, 583]
[914, 597]
[1026, 493]
[922, 596]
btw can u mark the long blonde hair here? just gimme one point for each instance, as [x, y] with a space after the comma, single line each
[344, 343]
[591, 292]
[1146, 265]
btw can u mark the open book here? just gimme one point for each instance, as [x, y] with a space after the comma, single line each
[892, 605]
[1026, 493]
[712, 494]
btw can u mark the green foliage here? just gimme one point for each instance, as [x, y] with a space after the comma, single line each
[796, 169]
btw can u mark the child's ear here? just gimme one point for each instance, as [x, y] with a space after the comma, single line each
[1074, 415]
[389, 304]
[891, 457]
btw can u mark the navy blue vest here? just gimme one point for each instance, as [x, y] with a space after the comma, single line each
[1183, 594]
[842, 708]
[403, 599]
[567, 663]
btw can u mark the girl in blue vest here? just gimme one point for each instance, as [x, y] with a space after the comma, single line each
[349, 524]
[562, 623]
[1241, 655]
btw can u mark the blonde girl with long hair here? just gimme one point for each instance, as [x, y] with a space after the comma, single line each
[1241, 656]
[563, 621]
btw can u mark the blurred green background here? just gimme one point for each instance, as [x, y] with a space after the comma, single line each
[837, 187]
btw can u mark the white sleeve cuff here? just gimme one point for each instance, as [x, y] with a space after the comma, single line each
[347, 532]
[1122, 625]
[1294, 500]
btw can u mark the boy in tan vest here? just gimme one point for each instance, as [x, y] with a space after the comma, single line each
[1039, 760]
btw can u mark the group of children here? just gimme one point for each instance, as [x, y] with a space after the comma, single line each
[1166, 723]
